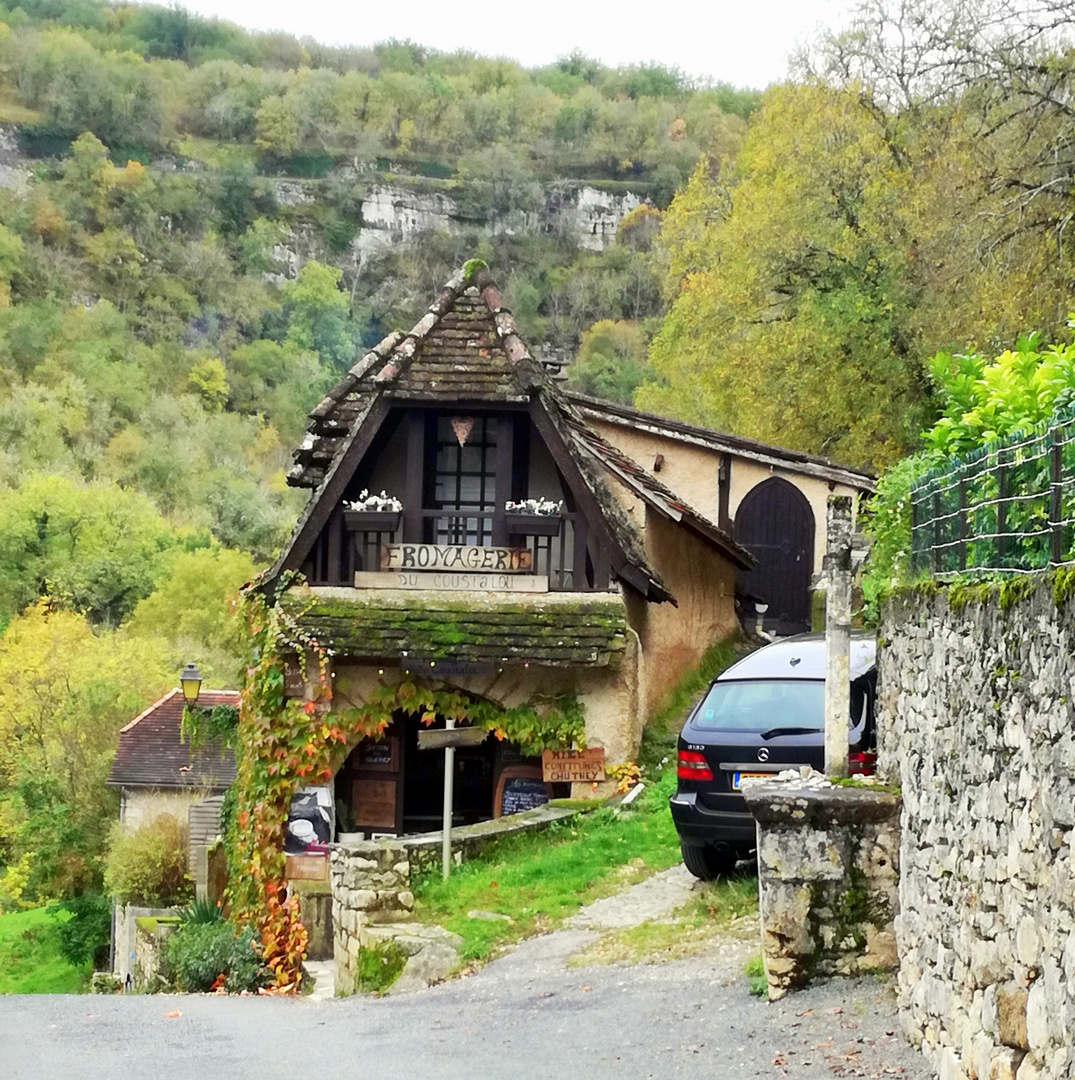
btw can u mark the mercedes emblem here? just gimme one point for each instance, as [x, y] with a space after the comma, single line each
[763, 754]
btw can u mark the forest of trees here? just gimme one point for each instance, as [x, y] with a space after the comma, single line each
[800, 256]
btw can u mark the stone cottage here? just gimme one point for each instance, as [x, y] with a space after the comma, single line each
[518, 554]
[157, 773]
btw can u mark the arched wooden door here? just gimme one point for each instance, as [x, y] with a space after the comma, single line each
[775, 524]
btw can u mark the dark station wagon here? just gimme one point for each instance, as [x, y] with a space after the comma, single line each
[762, 715]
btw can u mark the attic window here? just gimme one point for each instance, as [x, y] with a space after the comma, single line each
[465, 480]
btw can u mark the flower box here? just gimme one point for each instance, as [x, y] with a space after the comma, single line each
[533, 524]
[372, 520]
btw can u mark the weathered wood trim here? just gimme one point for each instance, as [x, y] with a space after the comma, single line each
[413, 523]
[328, 495]
[580, 489]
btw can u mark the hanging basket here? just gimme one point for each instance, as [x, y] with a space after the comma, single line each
[383, 521]
[533, 524]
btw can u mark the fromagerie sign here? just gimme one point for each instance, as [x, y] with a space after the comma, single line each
[492, 560]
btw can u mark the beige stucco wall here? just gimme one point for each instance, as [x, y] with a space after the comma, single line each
[691, 472]
[675, 637]
[141, 806]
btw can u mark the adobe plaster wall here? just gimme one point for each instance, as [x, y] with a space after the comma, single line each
[977, 725]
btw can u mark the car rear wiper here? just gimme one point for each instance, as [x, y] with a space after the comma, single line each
[773, 732]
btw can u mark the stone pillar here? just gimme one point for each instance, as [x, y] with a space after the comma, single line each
[827, 880]
[838, 580]
[370, 884]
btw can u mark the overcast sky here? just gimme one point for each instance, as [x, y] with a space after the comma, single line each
[745, 42]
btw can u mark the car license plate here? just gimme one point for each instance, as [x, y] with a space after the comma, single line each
[738, 777]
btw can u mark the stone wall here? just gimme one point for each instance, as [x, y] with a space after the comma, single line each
[976, 724]
[370, 884]
[827, 872]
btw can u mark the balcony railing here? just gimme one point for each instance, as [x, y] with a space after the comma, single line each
[339, 553]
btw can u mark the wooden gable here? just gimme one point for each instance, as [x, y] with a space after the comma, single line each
[465, 354]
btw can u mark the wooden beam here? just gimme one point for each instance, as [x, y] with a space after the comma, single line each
[335, 483]
[580, 488]
[413, 525]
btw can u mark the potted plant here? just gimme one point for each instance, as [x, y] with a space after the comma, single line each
[373, 513]
[534, 517]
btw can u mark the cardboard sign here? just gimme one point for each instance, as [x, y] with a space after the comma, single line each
[573, 766]
[465, 582]
[492, 560]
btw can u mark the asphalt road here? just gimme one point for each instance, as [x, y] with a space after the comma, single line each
[524, 1016]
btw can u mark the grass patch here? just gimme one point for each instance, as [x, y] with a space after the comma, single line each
[754, 970]
[30, 959]
[724, 907]
[540, 878]
[660, 734]
[378, 967]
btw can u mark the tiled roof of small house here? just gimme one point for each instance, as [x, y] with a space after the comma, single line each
[152, 755]
[467, 348]
[549, 629]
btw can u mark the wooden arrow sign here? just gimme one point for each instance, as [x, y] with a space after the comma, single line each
[442, 739]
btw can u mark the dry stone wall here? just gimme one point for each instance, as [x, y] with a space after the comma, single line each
[977, 725]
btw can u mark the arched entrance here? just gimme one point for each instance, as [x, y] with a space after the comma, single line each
[775, 524]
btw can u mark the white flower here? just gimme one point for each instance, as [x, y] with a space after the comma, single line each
[542, 507]
[377, 504]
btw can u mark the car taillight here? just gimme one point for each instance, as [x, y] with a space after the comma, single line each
[693, 766]
[861, 761]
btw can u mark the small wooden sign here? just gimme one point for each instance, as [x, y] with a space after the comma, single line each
[294, 683]
[441, 738]
[461, 582]
[492, 560]
[573, 766]
[306, 867]
[374, 803]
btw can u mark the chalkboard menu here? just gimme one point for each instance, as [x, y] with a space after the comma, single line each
[381, 754]
[522, 793]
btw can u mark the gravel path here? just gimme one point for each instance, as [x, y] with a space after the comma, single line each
[525, 1016]
[655, 898]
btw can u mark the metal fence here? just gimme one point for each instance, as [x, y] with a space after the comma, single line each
[1007, 508]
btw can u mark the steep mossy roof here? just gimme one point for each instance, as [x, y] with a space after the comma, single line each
[545, 629]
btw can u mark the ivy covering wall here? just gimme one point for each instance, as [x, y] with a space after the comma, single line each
[283, 743]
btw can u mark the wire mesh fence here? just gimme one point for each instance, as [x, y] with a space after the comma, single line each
[1007, 508]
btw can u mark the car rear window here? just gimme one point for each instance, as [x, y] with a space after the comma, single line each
[760, 704]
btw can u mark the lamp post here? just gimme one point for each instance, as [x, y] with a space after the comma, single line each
[191, 682]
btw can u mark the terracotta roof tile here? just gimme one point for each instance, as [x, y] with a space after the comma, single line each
[151, 754]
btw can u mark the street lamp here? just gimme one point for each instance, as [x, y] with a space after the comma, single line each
[191, 681]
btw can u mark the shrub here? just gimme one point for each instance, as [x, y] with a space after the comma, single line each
[200, 912]
[84, 937]
[149, 866]
[197, 955]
